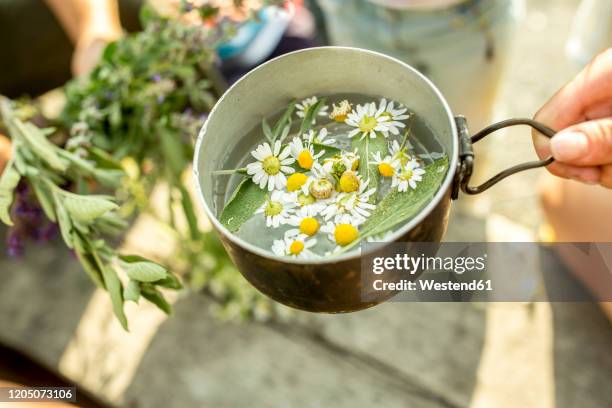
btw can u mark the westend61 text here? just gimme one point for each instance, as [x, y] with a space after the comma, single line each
[431, 285]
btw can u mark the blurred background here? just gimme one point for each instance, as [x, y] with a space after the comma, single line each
[492, 59]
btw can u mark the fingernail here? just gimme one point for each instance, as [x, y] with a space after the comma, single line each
[567, 146]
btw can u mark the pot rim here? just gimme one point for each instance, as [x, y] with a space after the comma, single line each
[355, 253]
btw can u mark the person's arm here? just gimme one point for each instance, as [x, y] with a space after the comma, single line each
[91, 24]
[582, 112]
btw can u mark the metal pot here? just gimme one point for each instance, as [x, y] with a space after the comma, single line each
[334, 285]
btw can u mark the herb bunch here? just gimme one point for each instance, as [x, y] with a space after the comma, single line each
[144, 104]
[60, 181]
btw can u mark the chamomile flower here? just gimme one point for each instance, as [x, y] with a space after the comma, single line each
[408, 176]
[306, 223]
[303, 107]
[297, 246]
[368, 120]
[341, 111]
[342, 234]
[311, 205]
[395, 115]
[278, 208]
[304, 153]
[350, 208]
[271, 166]
[400, 153]
[339, 163]
[318, 138]
[386, 166]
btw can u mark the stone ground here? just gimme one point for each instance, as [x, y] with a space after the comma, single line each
[394, 355]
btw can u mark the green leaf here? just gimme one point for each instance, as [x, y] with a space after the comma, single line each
[141, 269]
[87, 261]
[190, 215]
[65, 225]
[86, 208]
[8, 182]
[309, 118]
[115, 291]
[367, 147]
[132, 291]
[155, 296]
[41, 146]
[109, 52]
[284, 121]
[329, 151]
[147, 15]
[170, 282]
[173, 152]
[397, 208]
[267, 131]
[247, 198]
[45, 198]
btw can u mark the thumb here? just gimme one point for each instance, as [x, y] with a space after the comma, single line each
[585, 144]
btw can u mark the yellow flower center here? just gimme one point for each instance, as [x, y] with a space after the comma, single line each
[273, 208]
[367, 124]
[296, 247]
[295, 181]
[309, 226]
[305, 160]
[349, 182]
[386, 170]
[355, 165]
[271, 165]
[305, 199]
[344, 234]
[407, 174]
[339, 118]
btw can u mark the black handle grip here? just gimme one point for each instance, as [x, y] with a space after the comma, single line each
[466, 154]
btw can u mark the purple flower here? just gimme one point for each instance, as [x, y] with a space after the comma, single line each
[15, 244]
[156, 78]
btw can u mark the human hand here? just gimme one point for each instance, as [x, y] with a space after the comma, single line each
[90, 44]
[582, 112]
[5, 152]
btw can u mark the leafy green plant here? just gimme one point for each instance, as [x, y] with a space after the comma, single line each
[136, 114]
[85, 220]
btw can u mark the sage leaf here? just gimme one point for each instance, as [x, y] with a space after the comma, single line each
[155, 296]
[8, 182]
[170, 282]
[86, 208]
[366, 148]
[115, 290]
[63, 219]
[132, 291]
[40, 145]
[87, 261]
[45, 198]
[141, 269]
[398, 207]
[247, 198]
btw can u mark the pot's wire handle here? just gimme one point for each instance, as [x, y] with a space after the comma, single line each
[466, 154]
